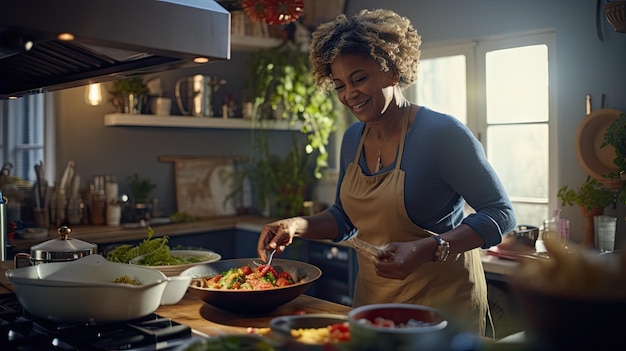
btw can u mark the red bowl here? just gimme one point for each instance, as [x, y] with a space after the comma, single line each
[434, 335]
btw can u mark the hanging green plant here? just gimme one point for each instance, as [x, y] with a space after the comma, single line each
[282, 87]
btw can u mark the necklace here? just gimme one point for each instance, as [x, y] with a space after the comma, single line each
[379, 161]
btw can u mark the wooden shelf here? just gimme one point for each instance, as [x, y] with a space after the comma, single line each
[250, 44]
[128, 120]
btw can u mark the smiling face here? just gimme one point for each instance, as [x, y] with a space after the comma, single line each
[362, 86]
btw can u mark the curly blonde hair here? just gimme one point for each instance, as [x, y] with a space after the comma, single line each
[382, 35]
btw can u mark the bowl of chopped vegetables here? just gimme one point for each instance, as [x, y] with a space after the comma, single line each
[312, 332]
[399, 326]
[244, 286]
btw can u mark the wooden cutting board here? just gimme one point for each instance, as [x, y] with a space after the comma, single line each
[204, 184]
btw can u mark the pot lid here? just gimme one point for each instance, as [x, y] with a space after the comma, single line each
[63, 244]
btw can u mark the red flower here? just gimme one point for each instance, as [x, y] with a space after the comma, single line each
[283, 11]
[273, 11]
[255, 9]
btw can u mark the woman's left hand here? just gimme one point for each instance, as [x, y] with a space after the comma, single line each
[404, 258]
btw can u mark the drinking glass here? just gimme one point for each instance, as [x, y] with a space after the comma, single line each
[604, 237]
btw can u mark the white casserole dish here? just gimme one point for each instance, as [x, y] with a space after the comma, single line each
[175, 289]
[84, 290]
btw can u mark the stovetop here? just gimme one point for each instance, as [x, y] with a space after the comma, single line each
[21, 331]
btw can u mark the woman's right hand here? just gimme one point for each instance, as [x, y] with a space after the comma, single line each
[276, 235]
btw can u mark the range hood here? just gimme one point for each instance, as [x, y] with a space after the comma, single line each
[112, 39]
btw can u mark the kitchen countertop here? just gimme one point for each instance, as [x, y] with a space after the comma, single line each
[112, 234]
[207, 319]
[203, 317]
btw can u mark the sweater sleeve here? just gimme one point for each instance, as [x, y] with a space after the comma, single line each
[462, 164]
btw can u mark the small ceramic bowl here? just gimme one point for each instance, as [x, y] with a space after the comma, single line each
[431, 332]
[175, 289]
[281, 330]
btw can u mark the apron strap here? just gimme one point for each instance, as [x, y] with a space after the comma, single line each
[358, 150]
[403, 137]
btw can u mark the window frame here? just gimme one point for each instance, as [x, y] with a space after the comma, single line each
[11, 120]
[475, 53]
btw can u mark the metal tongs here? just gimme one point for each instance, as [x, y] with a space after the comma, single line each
[368, 249]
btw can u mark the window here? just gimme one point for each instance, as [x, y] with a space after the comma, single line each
[500, 89]
[23, 131]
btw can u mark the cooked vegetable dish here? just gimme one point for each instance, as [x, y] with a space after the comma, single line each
[333, 333]
[246, 278]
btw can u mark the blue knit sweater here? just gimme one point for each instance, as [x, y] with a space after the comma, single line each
[445, 166]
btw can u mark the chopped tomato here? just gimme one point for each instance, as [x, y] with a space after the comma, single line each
[287, 276]
[246, 270]
[282, 282]
[383, 322]
[216, 278]
[339, 332]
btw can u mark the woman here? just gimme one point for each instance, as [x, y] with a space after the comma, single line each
[406, 173]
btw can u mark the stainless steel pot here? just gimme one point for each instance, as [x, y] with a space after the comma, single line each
[61, 249]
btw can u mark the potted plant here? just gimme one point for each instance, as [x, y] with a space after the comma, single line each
[140, 188]
[129, 94]
[279, 184]
[592, 197]
[615, 136]
[281, 86]
[140, 191]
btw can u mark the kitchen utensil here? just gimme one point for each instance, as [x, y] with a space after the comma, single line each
[197, 93]
[595, 160]
[253, 301]
[366, 248]
[525, 235]
[281, 330]
[84, 290]
[200, 256]
[434, 334]
[3, 227]
[269, 259]
[61, 249]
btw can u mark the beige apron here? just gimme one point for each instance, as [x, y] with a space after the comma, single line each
[375, 205]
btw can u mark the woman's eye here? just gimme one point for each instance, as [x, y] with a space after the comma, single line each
[360, 79]
[339, 87]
